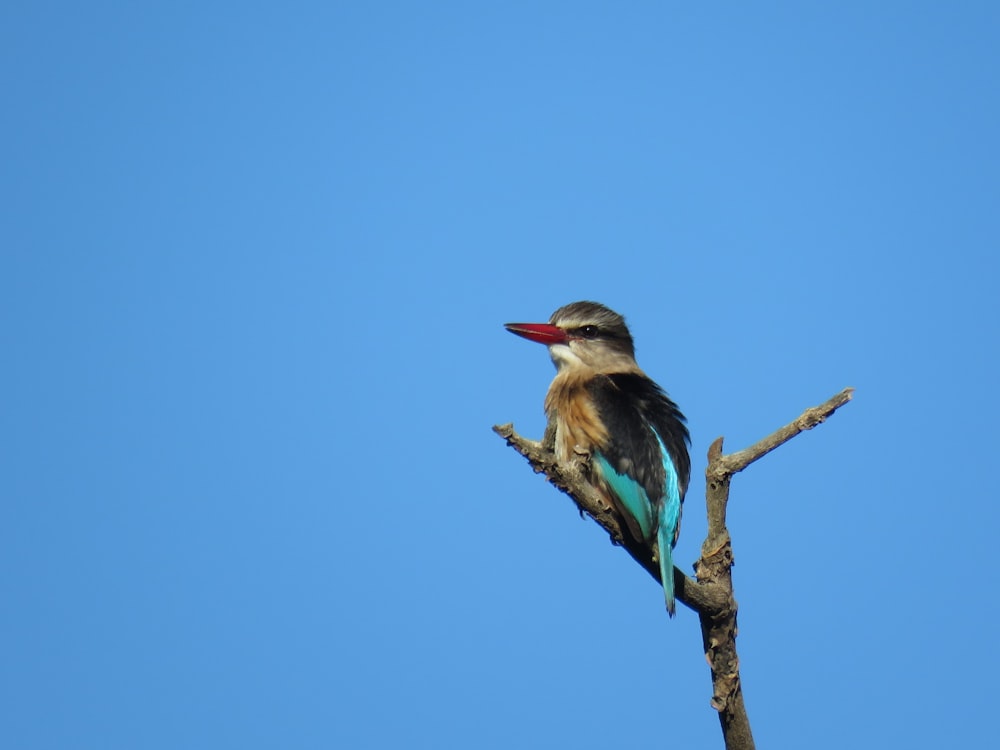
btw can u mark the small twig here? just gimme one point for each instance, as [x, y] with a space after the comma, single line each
[736, 462]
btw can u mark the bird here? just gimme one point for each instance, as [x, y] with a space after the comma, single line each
[604, 406]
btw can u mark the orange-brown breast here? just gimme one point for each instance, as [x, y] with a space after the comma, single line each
[578, 426]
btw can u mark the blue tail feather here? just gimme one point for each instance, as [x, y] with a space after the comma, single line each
[667, 522]
[664, 543]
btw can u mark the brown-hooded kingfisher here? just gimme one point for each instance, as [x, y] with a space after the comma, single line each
[606, 407]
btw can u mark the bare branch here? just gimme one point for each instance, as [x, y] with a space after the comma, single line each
[738, 461]
[711, 595]
[716, 563]
[571, 479]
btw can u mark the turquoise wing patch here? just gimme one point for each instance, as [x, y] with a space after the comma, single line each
[630, 494]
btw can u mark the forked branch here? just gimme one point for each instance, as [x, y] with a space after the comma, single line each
[710, 594]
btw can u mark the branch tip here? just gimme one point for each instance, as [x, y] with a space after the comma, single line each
[715, 450]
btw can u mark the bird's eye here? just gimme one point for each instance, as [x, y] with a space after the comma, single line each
[588, 332]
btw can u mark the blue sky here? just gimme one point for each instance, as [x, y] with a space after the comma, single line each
[255, 265]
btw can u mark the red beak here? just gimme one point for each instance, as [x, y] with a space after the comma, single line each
[543, 333]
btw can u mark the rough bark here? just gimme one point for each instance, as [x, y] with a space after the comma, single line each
[710, 593]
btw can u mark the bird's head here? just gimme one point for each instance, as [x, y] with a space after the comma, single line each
[583, 334]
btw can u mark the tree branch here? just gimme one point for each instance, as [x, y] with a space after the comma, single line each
[737, 462]
[571, 479]
[710, 594]
[716, 563]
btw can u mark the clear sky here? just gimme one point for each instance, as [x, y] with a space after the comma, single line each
[254, 265]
